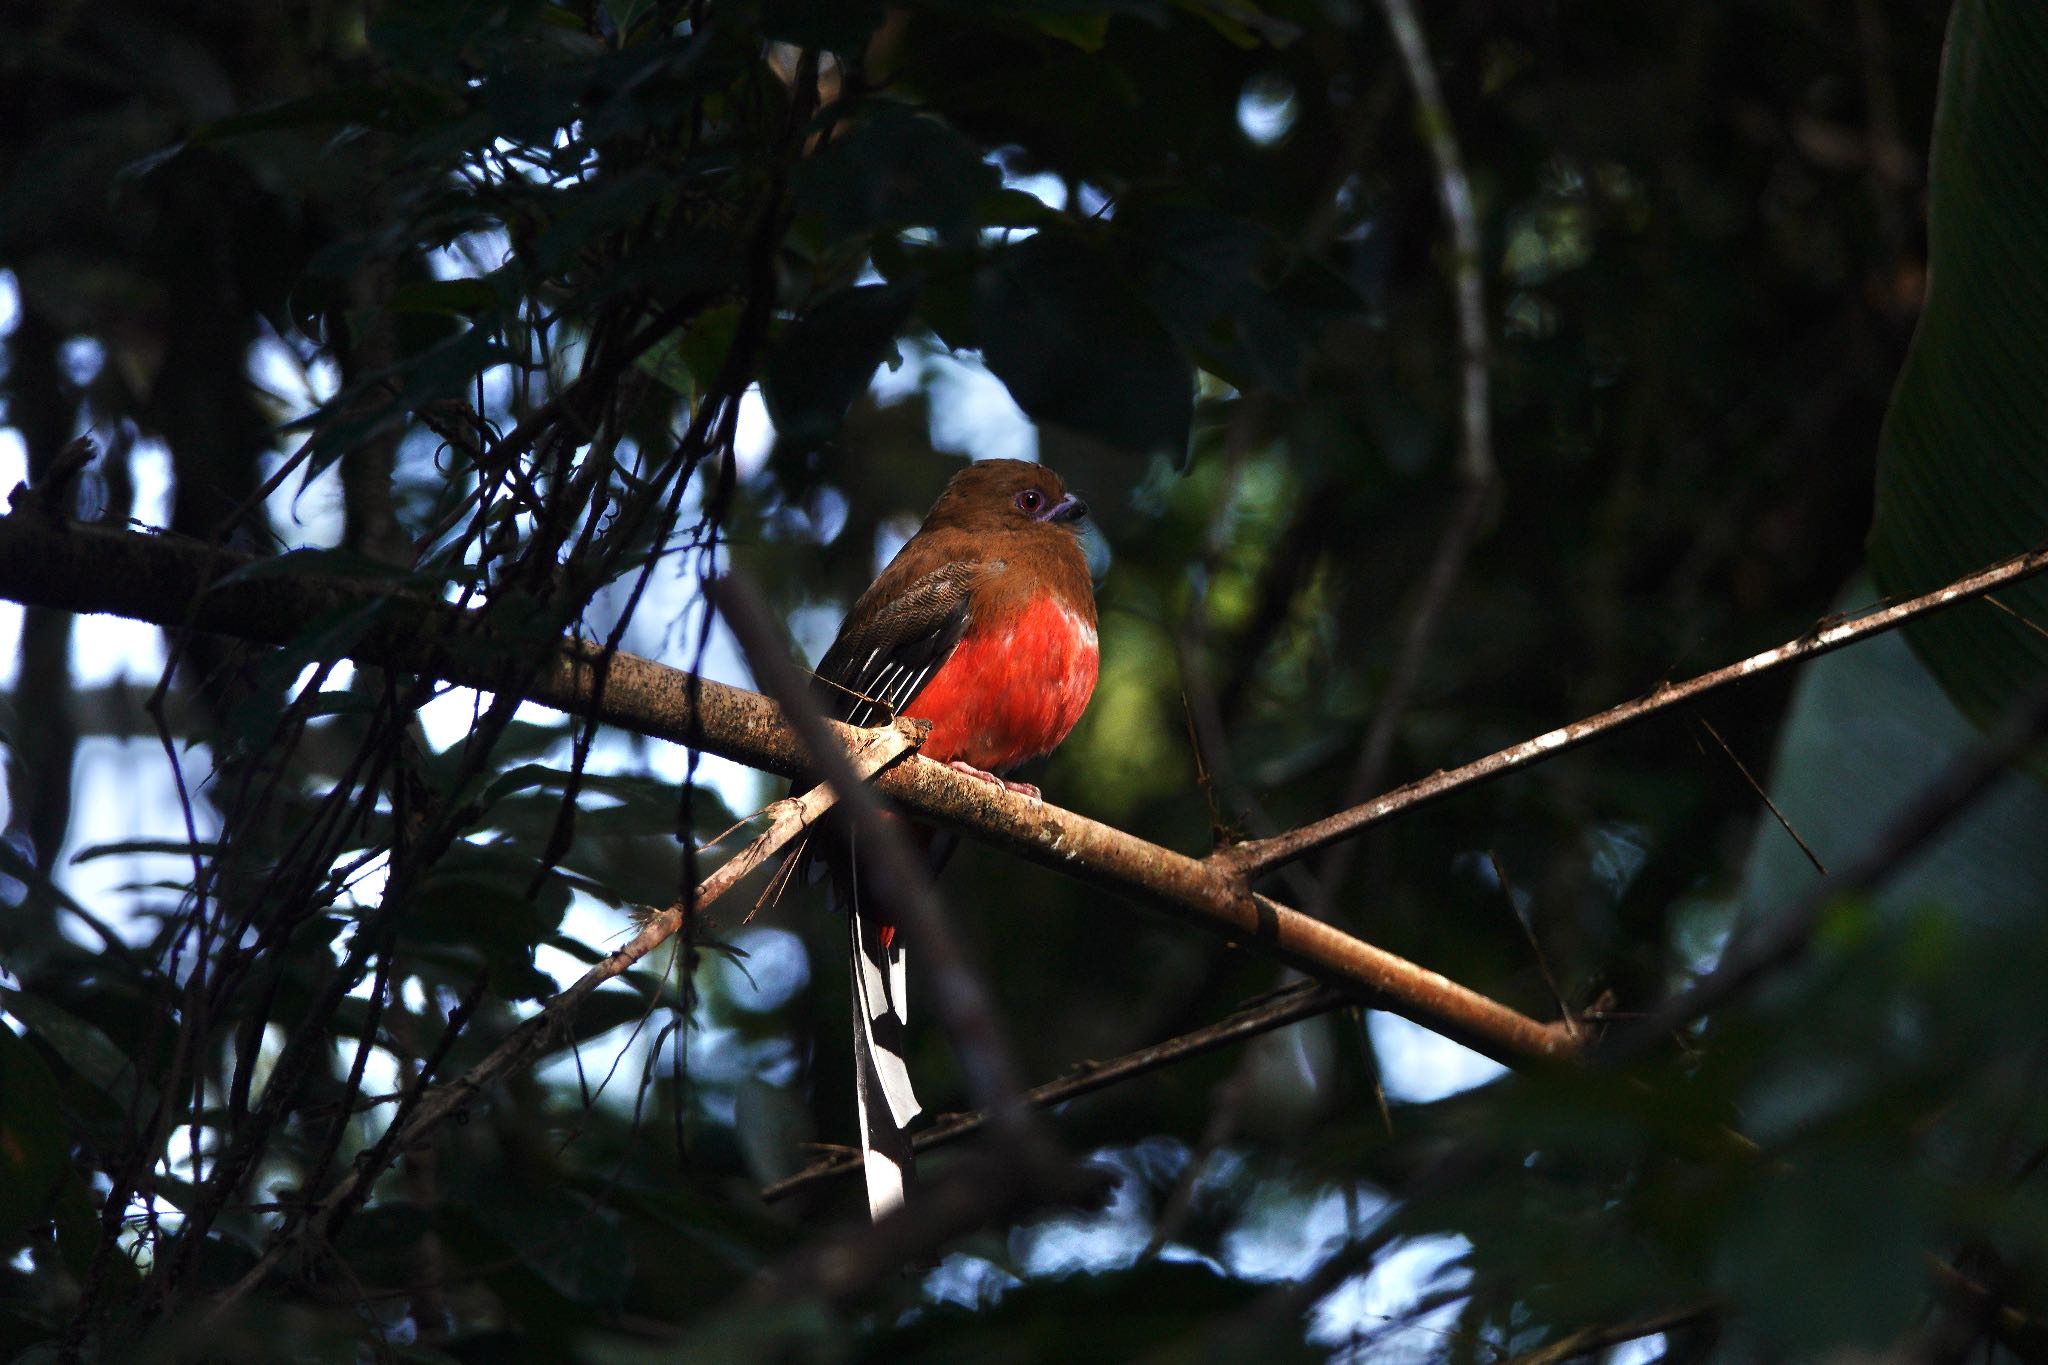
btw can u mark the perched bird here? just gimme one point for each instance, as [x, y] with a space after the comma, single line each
[984, 625]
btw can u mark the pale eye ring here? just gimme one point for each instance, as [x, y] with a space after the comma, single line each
[1030, 501]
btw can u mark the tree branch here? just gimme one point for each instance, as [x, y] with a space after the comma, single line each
[1261, 855]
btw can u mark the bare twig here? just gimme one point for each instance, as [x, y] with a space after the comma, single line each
[1765, 796]
[1475, 455]
[1251, 1019]
[1263, 854]
[2020, 617]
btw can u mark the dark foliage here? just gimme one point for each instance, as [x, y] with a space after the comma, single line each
[541, 267]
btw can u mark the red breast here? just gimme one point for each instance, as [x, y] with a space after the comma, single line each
[1014, 686]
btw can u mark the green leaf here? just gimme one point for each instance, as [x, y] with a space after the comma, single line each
[1963, 466]
[1059, 326]
[1871, 721]
[84, 1048]
[823, 363]
[454, 298]
[689, 358]
[391, 105]
[833, 25]
[894, 169]
[34, 1155]
[475, 906]
[1230, 292]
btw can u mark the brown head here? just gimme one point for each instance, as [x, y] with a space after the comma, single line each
[993, 496]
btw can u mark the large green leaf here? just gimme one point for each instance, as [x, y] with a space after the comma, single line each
[1963, 471]
[1076, 346]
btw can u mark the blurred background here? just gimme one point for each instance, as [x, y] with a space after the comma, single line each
[301, 275]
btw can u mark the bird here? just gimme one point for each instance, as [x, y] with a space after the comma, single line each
[983, 624]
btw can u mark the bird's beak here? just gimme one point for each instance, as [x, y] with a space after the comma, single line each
[1068, 508]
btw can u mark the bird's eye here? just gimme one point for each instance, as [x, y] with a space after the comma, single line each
[1029, 501]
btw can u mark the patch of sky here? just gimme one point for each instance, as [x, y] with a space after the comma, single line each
[82, 359]
[1046, 188]
[1641, 1351]
[968, 1281]
[813, 629]
[1421, 1067]
[1617, 852]
[1286, 1236]
[1372, 1316]
[128, 794]
[753, 434]
[10, 303]
[304, 513]
[973, 412]
[774, 969]
[295, 381]
[1074, 1244]
[13, 470]
[471, 254]
[1267, 108]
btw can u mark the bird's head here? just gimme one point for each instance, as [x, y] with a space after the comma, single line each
[1006, 495]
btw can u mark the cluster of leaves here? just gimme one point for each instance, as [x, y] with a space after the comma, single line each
[551, 250]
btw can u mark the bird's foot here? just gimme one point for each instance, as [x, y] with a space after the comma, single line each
[1021, 788]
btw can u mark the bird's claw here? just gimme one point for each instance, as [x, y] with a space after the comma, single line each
[1021, 788]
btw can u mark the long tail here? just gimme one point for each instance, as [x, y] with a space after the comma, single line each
[881, 1077]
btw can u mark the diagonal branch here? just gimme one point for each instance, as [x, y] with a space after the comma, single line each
[1262, 855]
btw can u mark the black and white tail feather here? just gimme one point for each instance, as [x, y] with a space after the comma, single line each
[882, 1088]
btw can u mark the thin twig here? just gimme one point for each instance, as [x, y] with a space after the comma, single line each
[1764, 796]
[1249, 1020]
[2020, 617]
